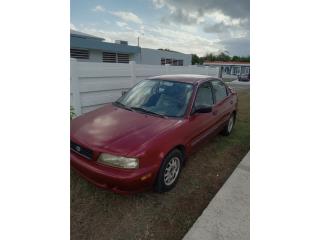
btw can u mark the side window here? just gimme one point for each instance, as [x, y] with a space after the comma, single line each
[204, 96]
[219, 90]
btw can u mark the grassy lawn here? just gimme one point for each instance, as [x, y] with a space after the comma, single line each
[229, 79]
[99, 214]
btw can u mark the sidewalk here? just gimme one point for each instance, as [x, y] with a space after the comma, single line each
[227, 216]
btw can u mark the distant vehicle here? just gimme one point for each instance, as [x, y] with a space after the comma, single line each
[142, 140]
[244, 77]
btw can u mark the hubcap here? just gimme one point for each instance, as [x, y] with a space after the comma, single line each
[171, 171]
[230, 124]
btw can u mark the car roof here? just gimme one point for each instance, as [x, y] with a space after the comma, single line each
[187, 78]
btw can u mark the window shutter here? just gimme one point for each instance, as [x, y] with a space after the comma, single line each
[123, 58]
[109, 57]
[79, 53]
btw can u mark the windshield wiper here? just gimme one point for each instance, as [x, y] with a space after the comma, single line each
[119, 104]
[139, 109]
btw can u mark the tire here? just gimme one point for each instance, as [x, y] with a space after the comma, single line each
[228, 128]
[169, 171]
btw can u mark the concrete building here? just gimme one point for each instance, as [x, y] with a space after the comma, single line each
[86, 47]
[231, 68]
[162, 57]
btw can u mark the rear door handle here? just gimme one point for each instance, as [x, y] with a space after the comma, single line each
[214, 112]
[231, 102]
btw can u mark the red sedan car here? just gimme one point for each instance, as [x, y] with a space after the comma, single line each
[142, 140]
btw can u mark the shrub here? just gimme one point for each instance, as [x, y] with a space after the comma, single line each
[72, 113]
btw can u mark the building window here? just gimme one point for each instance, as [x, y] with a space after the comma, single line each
[123, 58]
[235, 70]
[172, 62]
[238, 70]
[79, 53]
[109, 57]
[246, 70]
[115, 57]
[168, 61]
[175, 62]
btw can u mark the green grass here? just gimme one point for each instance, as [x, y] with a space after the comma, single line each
[229, 79]
[99, 214]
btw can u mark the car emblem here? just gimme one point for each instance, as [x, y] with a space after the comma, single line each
[78, 148]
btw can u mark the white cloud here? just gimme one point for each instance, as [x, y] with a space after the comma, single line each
[127, 17]
[186, 41]
[158, 3]
[219, 17]
[99, 8]
[121, 24]
[232, 8]
[72, 26]
[189, 26]
[227, 21]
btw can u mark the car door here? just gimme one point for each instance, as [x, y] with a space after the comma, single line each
[202, 124]
[223, 102]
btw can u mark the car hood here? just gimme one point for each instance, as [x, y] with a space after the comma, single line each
[117, 130]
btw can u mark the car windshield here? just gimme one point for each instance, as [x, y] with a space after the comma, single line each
[158, 97]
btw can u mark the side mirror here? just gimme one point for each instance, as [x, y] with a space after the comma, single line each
[124, 92]
[203, 109]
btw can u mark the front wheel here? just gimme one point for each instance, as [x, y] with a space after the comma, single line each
[169, 171]
[228, 128]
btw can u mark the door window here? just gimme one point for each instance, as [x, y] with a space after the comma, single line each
[219, 90]
[204, 96]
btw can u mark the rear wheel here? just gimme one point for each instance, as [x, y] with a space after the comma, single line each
[169, 171]
[229, 126]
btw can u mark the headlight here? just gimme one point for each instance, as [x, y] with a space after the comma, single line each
[117, 161]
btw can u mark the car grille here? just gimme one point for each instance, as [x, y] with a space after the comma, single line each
[85, 152]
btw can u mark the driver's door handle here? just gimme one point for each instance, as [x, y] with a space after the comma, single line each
[231, 102]
[214, 112]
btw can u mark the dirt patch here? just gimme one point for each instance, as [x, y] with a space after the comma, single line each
[99, 214]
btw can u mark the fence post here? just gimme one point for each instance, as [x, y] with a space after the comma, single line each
[133, 72]
[220, 71]
[74, 77]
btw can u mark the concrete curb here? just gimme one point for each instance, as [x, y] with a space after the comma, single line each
[228, 214]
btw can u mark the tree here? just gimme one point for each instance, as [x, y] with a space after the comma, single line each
[235, 59]
[245, 59]
[196, 59]
[209, 57]
[167, 50]
[223, 57]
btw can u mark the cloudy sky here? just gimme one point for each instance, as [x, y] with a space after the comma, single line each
[188, 26]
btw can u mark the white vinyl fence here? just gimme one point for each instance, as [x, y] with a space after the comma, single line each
[95, 84]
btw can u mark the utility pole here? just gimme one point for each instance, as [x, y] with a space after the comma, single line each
[140, 50]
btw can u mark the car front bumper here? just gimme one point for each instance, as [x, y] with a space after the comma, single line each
[121, 181]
